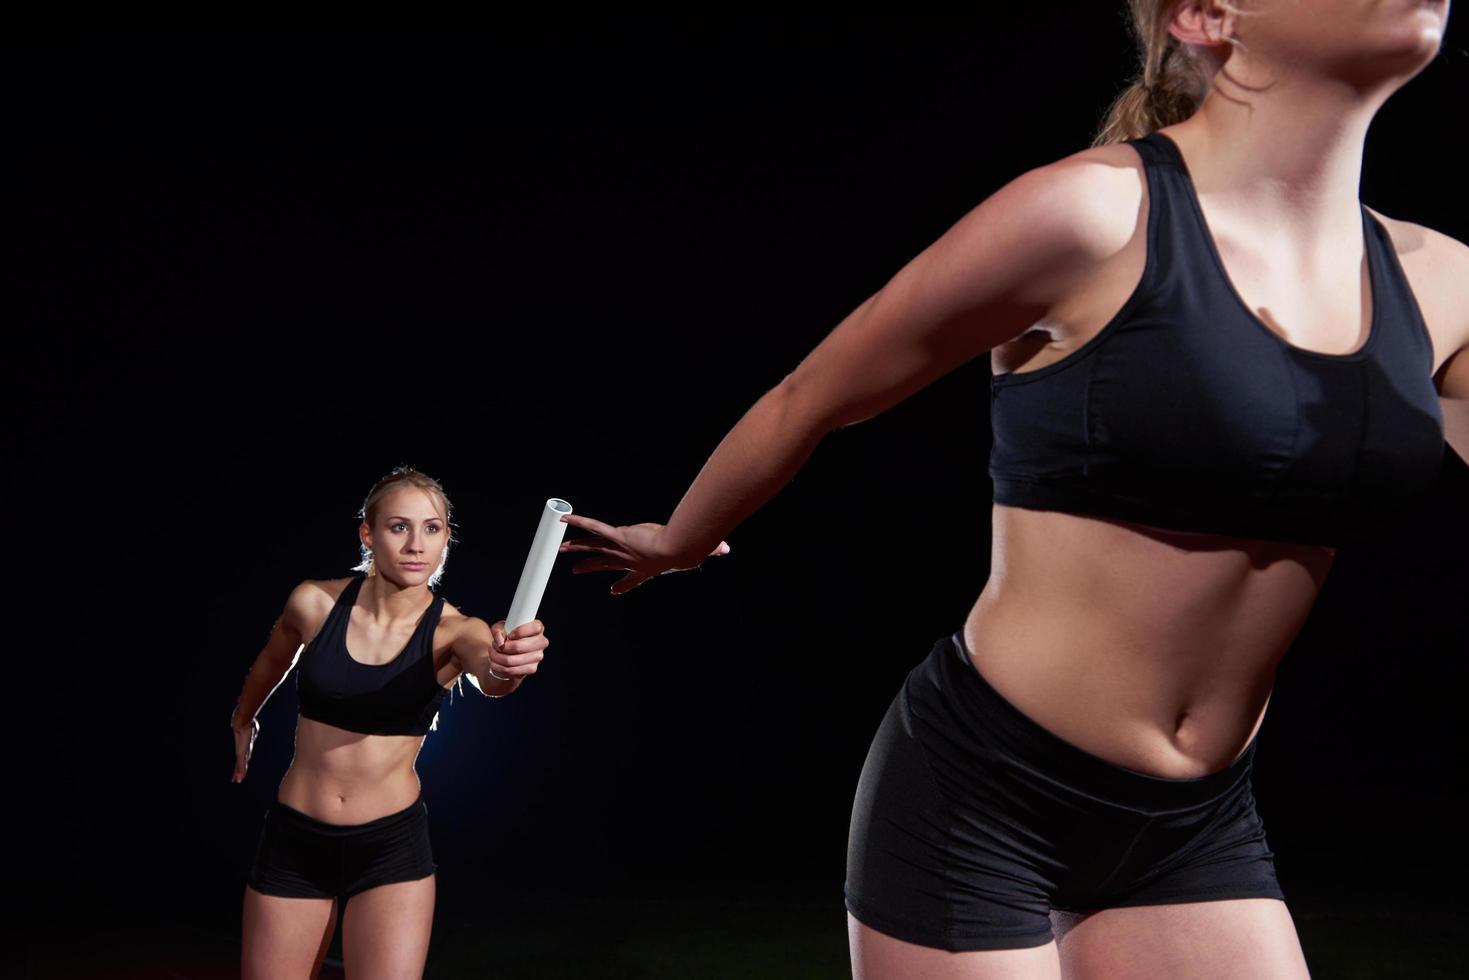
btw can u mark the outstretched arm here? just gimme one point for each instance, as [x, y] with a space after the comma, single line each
[987, 280]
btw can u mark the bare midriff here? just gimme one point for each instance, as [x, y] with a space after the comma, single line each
[1154, 650]
[346, 777]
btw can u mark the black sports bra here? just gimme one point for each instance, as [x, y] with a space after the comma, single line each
[400, 697]
[1186, 412]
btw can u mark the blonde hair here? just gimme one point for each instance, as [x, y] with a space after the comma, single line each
[1172, 83]
[404, 476]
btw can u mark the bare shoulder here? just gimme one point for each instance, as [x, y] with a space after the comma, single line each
[1102, 195]
[1067, 218]
[1000, 268]
[1100, 192]
[1111, 166]
[452, 615]
[1421, 244]
[455, 623]
[310, 602]
[451, 618]
[1437, 268]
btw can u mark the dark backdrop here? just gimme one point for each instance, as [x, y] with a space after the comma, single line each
[254, 272]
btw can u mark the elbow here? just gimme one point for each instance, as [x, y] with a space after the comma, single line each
[800, 410]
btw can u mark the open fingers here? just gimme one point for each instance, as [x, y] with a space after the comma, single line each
[591, 524]
[587, 544]
[628, 582]
[600, 565]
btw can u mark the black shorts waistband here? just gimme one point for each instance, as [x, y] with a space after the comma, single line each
[1052, 756]
[307, 822]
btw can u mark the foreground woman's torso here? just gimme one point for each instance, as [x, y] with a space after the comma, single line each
[1156, 649]
[348, 777]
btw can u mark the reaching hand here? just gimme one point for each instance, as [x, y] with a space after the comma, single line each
[518, 655]
[636, 549]
[244, 744]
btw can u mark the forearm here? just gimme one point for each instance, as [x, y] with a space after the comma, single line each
[758, 457]
[264, 677]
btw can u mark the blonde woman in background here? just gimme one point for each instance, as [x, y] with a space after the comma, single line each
[349, 824]
[1212, 366]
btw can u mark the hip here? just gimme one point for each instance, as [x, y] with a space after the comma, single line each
[976, 741]
[1155, 704]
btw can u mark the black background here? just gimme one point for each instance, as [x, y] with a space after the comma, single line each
[254, 272]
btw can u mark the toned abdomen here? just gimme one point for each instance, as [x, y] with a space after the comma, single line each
[1154, 650]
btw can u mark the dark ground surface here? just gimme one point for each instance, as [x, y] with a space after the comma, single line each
[1354, 921]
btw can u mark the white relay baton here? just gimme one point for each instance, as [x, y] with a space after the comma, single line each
[538, 564]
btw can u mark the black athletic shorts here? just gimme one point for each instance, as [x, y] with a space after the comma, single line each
[299, 856]
[972, 822]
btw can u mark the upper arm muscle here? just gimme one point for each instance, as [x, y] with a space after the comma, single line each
[1452, 378]
[990, 277]
[285, 637]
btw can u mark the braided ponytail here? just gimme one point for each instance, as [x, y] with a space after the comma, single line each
[1172, 83]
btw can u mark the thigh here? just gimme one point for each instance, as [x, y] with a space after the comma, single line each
[386, 929]
[1234, 939]
[285, 937]
[878, 956]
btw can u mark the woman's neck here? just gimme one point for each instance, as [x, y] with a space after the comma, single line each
[1293, 152]
[389, 603]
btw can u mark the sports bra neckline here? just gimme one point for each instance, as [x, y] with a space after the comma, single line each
[348, 603]
[1166, 142]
